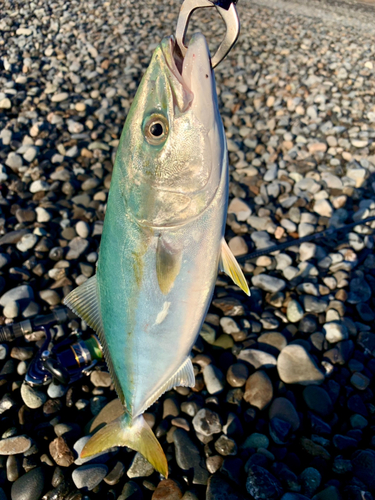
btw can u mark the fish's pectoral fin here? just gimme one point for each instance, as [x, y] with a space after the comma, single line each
[137, 435]
[229, 265]
[184, 377]
[84, 301]
[168, 265]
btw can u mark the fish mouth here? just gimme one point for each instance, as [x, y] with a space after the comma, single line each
[194, 66]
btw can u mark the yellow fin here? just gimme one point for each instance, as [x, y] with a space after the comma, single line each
[137, 435]
[229, 265]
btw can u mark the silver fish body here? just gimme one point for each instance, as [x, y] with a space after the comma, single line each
[162, 241]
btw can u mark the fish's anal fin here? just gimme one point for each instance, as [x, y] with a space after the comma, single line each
[184, 377]
[84, 302]
[229, 265]
[137, 435]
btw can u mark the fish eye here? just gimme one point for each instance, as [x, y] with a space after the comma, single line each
[156, 129]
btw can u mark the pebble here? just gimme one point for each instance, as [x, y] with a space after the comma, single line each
[29, 486]
[188, 456]
[16, 294]
[294, 311]
[283, 409]
[318, 400]
[207, 422]
[14, 445]
[32, 397]
[261, 484]
[296, 366]
[167, 490]
[60, 452]
[237, 374]
[335, 332]
[258, 390]
[87, 477]
[213, 378]
[268, 283]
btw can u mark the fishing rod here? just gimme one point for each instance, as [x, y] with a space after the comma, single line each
[310, 237]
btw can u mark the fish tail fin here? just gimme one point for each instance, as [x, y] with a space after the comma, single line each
[136, 435]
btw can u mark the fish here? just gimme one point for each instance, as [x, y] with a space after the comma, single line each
[162, 242]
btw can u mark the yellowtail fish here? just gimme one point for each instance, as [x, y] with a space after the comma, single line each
[162, 243]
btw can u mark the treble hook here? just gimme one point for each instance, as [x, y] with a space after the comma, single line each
[227, 10]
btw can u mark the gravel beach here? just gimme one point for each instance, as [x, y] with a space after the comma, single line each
[283, 406]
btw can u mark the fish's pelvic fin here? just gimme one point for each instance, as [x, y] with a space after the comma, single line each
[84, 302]
[136, 435]
[229, 265]
[184, 377]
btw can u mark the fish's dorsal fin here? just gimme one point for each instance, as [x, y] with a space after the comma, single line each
[84, 301]
[183, 377]
[229, 265]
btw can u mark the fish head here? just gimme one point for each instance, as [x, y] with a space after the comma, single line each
[172, 150]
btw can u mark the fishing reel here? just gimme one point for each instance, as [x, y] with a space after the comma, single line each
[67, 360]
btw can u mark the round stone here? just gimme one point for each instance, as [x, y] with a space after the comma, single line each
[258, 390]
[87, 477]
[296, 366]
[237, 374]
[318, 400]
[32, 397]
[283, 409]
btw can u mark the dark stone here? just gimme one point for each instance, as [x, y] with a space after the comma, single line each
[318, 426]
[188, 457]
[308, 324]
[356, 405]
[344, 443]
[30, 486]
[318, 400]
[219, 488]
[364, 466]
[262, 485]
[131, 491]
[279, 430]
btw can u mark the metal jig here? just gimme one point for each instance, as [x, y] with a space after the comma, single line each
[227, 10]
